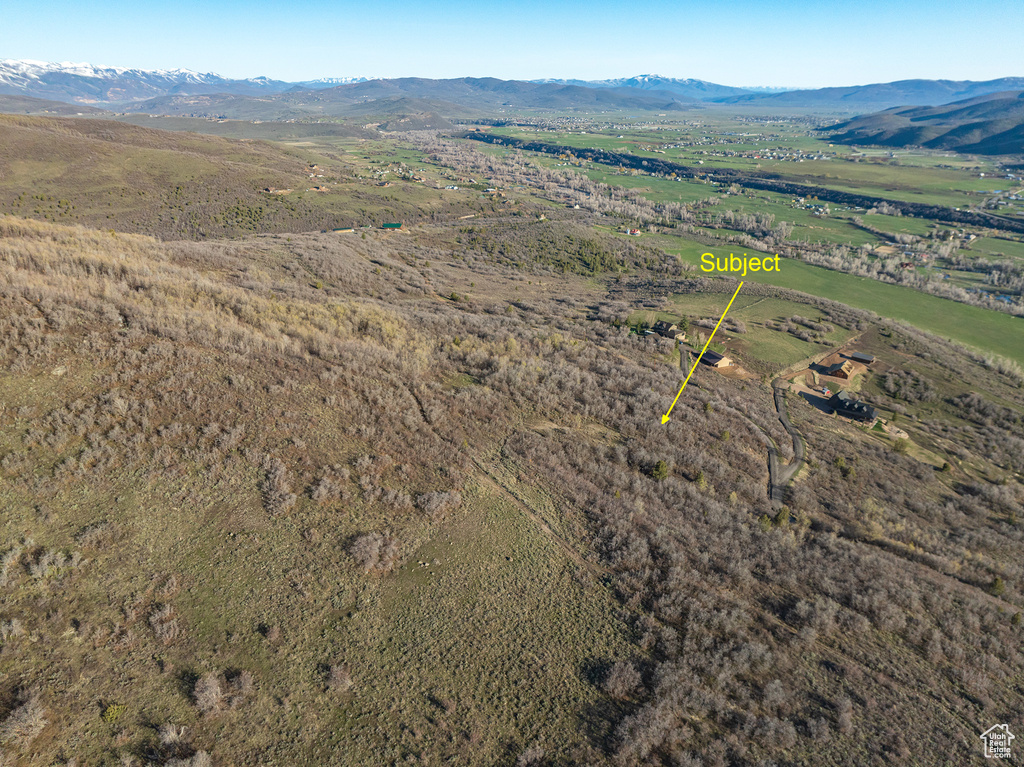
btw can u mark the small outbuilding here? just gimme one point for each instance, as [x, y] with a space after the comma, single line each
[715, 360]
[842, 369]
[867, 359]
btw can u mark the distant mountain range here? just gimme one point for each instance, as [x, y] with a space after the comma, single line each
[691, 89]
[880, 95]
[88, 84]
[989, 124]
[184, 92]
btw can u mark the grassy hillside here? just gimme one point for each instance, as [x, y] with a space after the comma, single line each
[344, 501]
[16, 104]
[990, 124]
[184, 185]
[986, 330]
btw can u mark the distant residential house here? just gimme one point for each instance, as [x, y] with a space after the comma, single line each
[867, 359]
[667, 329]
[715, 360]
[842, 369]
[634, 232]
[845, 405]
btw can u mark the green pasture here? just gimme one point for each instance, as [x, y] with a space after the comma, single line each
[992, 247]
[760, 348]
[898, 224]
[987, 330]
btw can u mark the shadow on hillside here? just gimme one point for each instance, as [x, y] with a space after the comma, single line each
[821, 403]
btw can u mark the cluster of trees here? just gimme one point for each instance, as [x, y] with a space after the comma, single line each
[760, 231]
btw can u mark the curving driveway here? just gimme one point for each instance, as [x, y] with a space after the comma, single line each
[780, 478]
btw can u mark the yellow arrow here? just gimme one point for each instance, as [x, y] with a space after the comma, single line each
[665, 418]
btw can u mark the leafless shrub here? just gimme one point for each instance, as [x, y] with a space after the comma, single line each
[326, 489]
[11, 627]
[165, 626]
[773, 695]
[96, 536]
[776, 733]
[437, 504]
[53, 563]
[819, 730]
[622, 680]
[198, 759]
[844, 718]
[25, 721]
[339, 677]
[397, 500]
[374, 551]
[532, 756]
[230, 439]
[9, 560]
[278, 497]
[209, 693]
[239, 686]
[170, 735]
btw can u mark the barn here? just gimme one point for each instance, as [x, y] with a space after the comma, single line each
[840, 370]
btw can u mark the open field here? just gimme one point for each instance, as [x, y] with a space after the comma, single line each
[991, 247]
[992, 332]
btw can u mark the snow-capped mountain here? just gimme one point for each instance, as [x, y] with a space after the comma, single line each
[86, 83]
[330, 82]
[697, 89]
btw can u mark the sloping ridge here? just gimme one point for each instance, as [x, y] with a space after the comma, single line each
[989, 124]
[881, 95]
[462, 95]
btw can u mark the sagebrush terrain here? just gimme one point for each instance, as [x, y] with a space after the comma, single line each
[404, 497]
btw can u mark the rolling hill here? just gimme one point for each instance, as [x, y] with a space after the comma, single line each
[879, 95]
[101, 173]
[461, 95]
[27, 105]
[989, 124]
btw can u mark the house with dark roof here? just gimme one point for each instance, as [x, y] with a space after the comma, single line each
[715, 360]
[867, 359]
[848, 407]
[667, 329]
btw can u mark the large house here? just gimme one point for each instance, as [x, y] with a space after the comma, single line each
[667, 329]
[845, 405]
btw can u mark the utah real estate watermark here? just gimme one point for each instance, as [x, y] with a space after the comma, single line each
[997, 741]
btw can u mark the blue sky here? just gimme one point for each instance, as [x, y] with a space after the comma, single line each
[734, 42]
